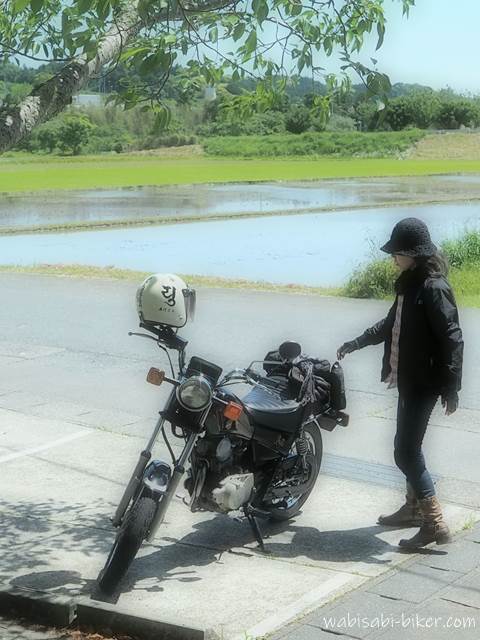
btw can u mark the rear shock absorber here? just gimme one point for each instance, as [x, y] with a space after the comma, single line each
[301, 446]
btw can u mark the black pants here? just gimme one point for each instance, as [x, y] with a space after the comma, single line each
[413, 413]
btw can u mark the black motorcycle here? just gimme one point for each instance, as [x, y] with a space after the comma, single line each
[252, 440]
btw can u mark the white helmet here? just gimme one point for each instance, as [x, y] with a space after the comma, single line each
[165, 299]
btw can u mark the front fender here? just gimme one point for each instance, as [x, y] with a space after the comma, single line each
[156, 477]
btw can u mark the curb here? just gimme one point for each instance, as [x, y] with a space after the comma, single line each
[59, 611]
[37, 606]
[108, 618]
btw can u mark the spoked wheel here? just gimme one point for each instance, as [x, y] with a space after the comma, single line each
[127, 543]
[284, 509]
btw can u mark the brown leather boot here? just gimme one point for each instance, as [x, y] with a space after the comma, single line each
[408, 515]
[433, 529]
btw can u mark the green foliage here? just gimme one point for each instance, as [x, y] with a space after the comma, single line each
[425, 109]
[13, 92]
[338, 122]
[419, 109]
[74, 132]
[111, 130]
[366, 115]
[14, 73]
[374, 280]
[298, 119]
[465, 282]
[377, 281]
[342, 144]
[168, 140]
[48, 137]
[464, 250]
[400, 113]
[260, 124]
[52, 30]
[320, 112]
[452, 114]
[105, 138]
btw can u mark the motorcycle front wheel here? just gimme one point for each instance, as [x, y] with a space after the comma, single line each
[129, 539]
[314, 458]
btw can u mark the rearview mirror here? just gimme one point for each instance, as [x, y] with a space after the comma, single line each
[289, 350]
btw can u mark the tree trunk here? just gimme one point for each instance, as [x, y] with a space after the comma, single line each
[49, 99]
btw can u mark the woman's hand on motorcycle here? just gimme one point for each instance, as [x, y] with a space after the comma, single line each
[347, 347]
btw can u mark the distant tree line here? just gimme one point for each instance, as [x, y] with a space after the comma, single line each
[101, 129]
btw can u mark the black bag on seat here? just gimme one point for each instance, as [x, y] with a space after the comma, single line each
[282, 369]
[329, 380]
[337, 386]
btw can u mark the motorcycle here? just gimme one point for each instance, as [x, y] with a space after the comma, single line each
[251, 445]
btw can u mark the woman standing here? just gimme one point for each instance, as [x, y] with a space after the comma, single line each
[422, 358]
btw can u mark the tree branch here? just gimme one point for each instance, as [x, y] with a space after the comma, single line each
[50, 98]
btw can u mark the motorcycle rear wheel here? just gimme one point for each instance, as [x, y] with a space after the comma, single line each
[314, 437]
[127, 543]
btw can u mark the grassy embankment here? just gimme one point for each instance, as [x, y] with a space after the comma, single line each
[375, 280]
[348, 144]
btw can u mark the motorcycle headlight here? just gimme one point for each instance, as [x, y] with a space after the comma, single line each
[195, 394]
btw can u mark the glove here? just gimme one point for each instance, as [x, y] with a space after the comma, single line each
[450, 402]
[347, 347]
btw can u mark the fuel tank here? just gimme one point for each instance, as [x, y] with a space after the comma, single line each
[273, 433]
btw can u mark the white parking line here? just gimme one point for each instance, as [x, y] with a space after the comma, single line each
[44, 447]
[305, 604]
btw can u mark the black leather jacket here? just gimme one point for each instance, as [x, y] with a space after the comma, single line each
[430, 343]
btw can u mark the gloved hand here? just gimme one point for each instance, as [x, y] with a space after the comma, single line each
[347, 347]
[450, 402]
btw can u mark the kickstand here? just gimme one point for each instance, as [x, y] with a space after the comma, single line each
[256, 529]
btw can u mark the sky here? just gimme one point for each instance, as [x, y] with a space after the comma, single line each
[437, 45]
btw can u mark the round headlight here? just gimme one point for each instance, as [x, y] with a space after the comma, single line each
[195, 394]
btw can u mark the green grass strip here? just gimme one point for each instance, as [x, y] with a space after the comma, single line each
[129, 171]
[465, 281]
[113, 273]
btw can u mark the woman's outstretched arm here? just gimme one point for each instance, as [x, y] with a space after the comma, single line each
[375, 334]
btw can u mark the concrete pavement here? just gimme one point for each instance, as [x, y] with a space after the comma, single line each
[75, 411]
[434, 595]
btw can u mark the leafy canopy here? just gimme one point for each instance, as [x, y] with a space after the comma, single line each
[269, 40]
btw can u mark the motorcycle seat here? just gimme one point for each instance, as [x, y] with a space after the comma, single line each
[272, 410]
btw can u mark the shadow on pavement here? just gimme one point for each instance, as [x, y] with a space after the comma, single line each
[204, 546]
[35, 536]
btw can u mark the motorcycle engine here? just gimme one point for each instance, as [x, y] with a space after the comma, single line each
[219, 479]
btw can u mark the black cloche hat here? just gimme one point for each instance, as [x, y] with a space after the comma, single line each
[410, 237]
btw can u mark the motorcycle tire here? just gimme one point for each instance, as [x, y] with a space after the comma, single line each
[280, 514]
[127, 543]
